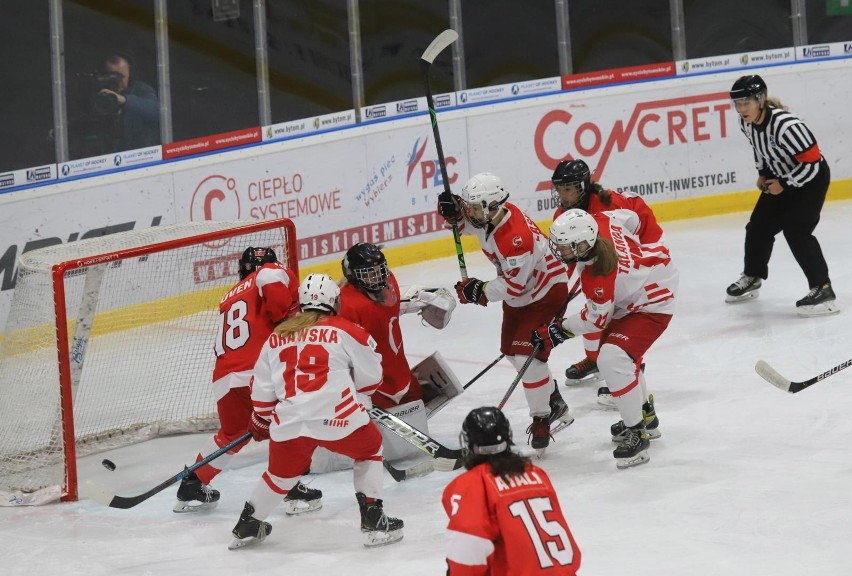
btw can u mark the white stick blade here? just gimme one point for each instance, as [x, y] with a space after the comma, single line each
[440, 42]
[772, 376]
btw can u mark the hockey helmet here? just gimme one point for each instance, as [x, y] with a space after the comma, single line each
[320, 293]
[486, 193]
[571, 173]
[253, 258]
[571, 230]
[486, 431]
[751, 86]
[366, 267]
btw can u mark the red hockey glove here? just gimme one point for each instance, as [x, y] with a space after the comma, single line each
[550, 335]
[471, 291]
[259, 428]
[449, 207]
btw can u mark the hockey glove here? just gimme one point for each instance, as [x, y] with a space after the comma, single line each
[449, 207]
[259, 427]
[471, 291]
[550, 335]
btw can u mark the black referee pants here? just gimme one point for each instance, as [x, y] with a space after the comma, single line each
[796, 213]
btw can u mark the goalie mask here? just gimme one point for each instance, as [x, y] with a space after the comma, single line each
[482, 197]
[573, 235]
[365, 266]
[320, 293]
[254, 258]
[486, 431]
[572, 182]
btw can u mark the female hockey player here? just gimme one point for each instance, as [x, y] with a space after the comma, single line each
[504, 516]
[630, 294]
[310, 383]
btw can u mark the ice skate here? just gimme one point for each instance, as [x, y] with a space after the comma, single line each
[539, 433]
[605, 397]
[746, 288]
[559, 418]
[193, 496]
[649, 415]
[301, 499]
[249, 530]
[633, 447]
[820, 301]
[378, 528]
[583, 372]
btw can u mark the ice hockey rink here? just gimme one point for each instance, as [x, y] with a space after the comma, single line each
[746, 480]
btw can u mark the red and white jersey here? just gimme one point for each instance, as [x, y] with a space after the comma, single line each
[645, 279]
[507, 526]
[307, 382]
[247, 315]
[381, 320]
[526, 269]
[649, 231]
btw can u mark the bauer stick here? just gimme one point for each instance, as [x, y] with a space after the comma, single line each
[402, 474]
[103, 496]
[772, 376]
[440, 42]
[446, 459]
[575, 290]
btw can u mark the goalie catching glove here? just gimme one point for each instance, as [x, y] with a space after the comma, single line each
[435, 305]
[550, 335]
[471, 291]
[259, 427]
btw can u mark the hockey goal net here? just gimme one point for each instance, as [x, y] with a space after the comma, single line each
[109, 341]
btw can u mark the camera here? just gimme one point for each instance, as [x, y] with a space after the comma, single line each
[91, 83]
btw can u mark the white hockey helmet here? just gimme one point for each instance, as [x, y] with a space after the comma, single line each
[319, 292]
[573, 228]
[485, 191]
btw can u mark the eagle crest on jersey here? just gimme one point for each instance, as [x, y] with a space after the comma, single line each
[254, 258]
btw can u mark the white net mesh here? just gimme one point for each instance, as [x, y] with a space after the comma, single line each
[141, 331]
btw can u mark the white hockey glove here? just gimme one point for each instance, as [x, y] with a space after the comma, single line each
[435, 305]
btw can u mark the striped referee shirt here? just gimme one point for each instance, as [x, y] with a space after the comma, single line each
[784, 148]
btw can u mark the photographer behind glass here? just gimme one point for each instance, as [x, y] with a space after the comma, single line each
[125, 110]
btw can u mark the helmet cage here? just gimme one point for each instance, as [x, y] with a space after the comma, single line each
[575, 229]
[374, 278]
[571, 173]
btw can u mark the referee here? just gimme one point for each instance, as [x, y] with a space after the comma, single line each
[794, 178]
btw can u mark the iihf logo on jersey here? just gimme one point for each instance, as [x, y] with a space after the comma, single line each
[772, 142]
[335, 422]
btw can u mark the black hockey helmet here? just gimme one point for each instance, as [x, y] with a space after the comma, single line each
[486, 431]
[746, 86]
[253, 258]
[574, 172]
[365, 266]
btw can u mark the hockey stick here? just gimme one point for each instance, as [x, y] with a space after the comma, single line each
[575, 290]
[440, 42]
[484, 370]
[772, 376]
[102, 496]
[446, 459]
[403, 474]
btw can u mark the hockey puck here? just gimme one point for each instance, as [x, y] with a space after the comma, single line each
[108, 464]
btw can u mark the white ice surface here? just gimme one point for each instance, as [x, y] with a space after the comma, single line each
[746, 480]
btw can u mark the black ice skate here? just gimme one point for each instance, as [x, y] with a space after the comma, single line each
[193, 496]
[605, 396]
[746, 288]
[649, 415]
[539, 433]
[820, 301]
[583, 372]
[378, 528]
[633, 448]
[249, 530]
[301, 499]
[559, 417]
